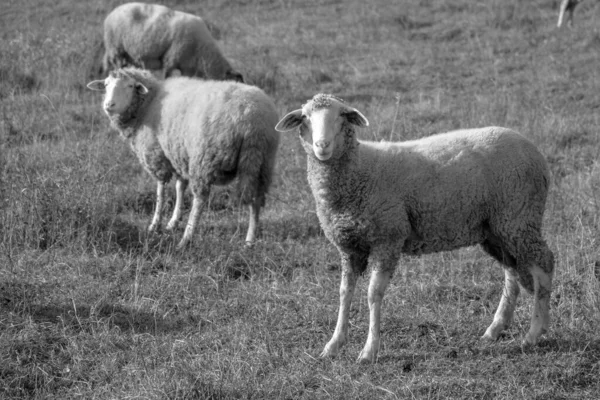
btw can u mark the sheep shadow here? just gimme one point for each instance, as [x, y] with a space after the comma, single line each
[587, 349]
[224, 220]
[82, 317]
[133, 238]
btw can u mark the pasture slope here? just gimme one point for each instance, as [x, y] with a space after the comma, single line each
[92, 307]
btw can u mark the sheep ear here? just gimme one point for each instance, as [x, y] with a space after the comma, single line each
[97, 85]
[289, 121]
[355, 117]
[140, 88]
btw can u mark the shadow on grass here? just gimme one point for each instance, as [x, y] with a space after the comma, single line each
[133, 238]
[513, 348]
[589, 348]
[81, 317]
[223, 220]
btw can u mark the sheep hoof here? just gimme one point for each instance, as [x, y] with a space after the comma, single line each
[364, 361]
[526, 345]
[364, 358]
[529, 341]
[329, 352]
[488, 338]
[326, 354]
[248, 244]
[171, 226]
[182, 245]
[494, 331]
[153, 228]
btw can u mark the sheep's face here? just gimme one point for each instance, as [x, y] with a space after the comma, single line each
[320, 122]
[119, 93]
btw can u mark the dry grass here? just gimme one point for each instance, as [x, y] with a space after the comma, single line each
[93, 307]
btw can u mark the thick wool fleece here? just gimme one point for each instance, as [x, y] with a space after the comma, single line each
[482, 186]
[155, 37]
[207, 132]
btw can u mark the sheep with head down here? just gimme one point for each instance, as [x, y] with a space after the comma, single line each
[376, 200]
[201, 132]
[157, 38]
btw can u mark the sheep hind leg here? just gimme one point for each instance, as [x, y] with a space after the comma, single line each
[252, 192]
[180, 187]
[253, 223]
[160, 198]
[532, 268]
[504, 314]
[352, 266]
[198, 204]
[173, 73]
[505, 311]
[542, 272]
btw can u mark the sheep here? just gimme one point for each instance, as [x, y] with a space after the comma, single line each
[376, 200]
[157, 38]
[567, 6]
[200, 131]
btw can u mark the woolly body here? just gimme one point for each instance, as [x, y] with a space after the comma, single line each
[204, 132]
[395, 192]
[376, 200]
[155, 37]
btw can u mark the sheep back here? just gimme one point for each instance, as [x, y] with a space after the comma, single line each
[434, 194]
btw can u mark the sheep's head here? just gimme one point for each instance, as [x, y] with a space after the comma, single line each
[321, 124]
[120, 91]
[232, 75]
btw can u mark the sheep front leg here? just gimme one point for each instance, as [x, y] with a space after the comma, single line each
[180, 187]
[200, 200]
[160, 197]
[352, 266]
[506, 308]
[380, 280]
[340, 334]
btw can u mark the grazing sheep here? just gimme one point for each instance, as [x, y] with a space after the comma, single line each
[156, 38]
[376, 200]
[201, 132]
[567, 6]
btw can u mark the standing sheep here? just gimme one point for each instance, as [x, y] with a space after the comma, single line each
[154, 37]
[375, 201]
[202, 132]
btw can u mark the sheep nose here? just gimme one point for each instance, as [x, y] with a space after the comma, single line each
[108, 106]
[322, 144]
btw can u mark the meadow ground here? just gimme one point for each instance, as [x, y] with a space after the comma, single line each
[93, 307]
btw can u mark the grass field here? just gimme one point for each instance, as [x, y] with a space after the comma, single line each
[93, 307]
